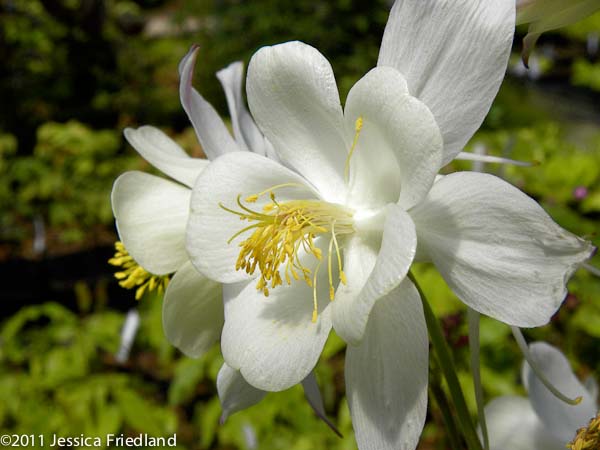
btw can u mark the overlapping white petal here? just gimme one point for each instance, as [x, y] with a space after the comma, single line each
[560, 419]
[272, 340]
[374, 266]
[294, 99]
[210, 129]
[151, 215]
[497, 248]
[192, 312]
[386, 375]
[453, 54]
[245, 131]
[211, 226]
[399, 148]
[164, 154]
[513, 424]
[235, 393]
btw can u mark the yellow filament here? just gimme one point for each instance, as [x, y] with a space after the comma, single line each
[339, 257]
[587, 438]
[331, 290]
[254, 197]
[135, 276]
[315, 312]
[357, 128]
[280, 230]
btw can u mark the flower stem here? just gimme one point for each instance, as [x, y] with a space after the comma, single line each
[439, 395]
[448, 369]
[473, 319]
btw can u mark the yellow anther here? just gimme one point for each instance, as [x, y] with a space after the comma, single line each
[587, 438]
[357, 129]
[358, 124]
[135, 276]
[343, 277]
[252, 198]
[279, 232]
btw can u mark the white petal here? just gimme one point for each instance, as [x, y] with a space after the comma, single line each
[235, 393]
[386, 376]
[210, 226]
[562, 420]
[399, 148]
[512, 424]
[163, 153]
[591, 385]
[210, 129]
[192, 311]
[246, 133]
[453, 54]
[272, 340]
[374, 266]
[497, 248]
[294, 99]
[151, 215]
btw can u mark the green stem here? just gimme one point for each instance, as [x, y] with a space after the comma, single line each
[447, 366]
[442, 401]
[473, 319]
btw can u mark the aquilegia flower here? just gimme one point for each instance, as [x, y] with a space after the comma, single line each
[151, 215]
[543, 422]
[326, 238]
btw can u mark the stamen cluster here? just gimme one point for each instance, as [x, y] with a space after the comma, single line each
[281, 230]
[587, 438]
[134, 275]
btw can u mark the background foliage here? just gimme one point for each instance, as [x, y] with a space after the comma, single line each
[76, 72]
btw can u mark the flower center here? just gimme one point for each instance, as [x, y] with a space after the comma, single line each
[134, 275]
[281, 230]
[587, 438]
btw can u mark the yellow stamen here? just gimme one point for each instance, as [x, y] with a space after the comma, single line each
[135, 276]
[357, 128]
[280, 230]
[331, 290]
[587, 438]
[339, 257]
[315, 302]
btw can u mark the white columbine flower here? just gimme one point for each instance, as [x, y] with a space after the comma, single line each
[152, 212]
[543, 422]
[326, 238]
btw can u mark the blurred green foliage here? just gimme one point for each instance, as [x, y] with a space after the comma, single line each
[67, 179]
[76, 72]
